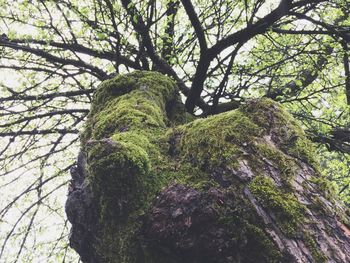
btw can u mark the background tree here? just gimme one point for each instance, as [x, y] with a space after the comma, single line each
[220, 53]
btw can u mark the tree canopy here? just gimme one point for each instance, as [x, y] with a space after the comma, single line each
[221, 53]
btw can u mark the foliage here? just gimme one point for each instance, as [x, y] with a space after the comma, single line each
[221, 53]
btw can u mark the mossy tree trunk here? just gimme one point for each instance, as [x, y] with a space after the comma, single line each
[154, 185]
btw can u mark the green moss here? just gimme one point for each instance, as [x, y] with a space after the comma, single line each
[122, 182]
[325, 186]
[151, 83]
[261, 248]
[127, 119]
[283, 128]
[118, 244]
[137, 101]
[287, 209]
[118, 169]
[112, 88]
[217, 140]
[279, 160]
[204, 145]
[315, 251]
[247, 230]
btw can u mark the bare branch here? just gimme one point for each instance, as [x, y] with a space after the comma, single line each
[196, 24]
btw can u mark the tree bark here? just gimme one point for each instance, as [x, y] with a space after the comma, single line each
[154, 185]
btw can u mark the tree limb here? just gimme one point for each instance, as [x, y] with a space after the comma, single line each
[241, 36]
[198, 29]
[100, 74]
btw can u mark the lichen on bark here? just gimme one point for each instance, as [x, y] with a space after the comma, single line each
[159, 185]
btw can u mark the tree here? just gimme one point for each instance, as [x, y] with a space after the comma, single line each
[152, 185]
[220, 53]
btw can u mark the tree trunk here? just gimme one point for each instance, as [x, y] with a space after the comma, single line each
[154, 185]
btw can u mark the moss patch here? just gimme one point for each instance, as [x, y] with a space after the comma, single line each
[128, 116]
[248, 231]
[285, 131]
[284, 164]
[261, 248]
[315, 251]
[137, 101]
[289, 213]
[217, 140]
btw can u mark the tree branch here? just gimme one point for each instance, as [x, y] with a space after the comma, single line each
[242, 36]
[198, 29]
[44, 115]
[41, 132]
[100, 74]
[347, 71]
[251, 31]
[168, 38]
[48, 95]
[164, 67]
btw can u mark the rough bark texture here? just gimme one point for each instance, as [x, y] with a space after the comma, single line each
[153, 185]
